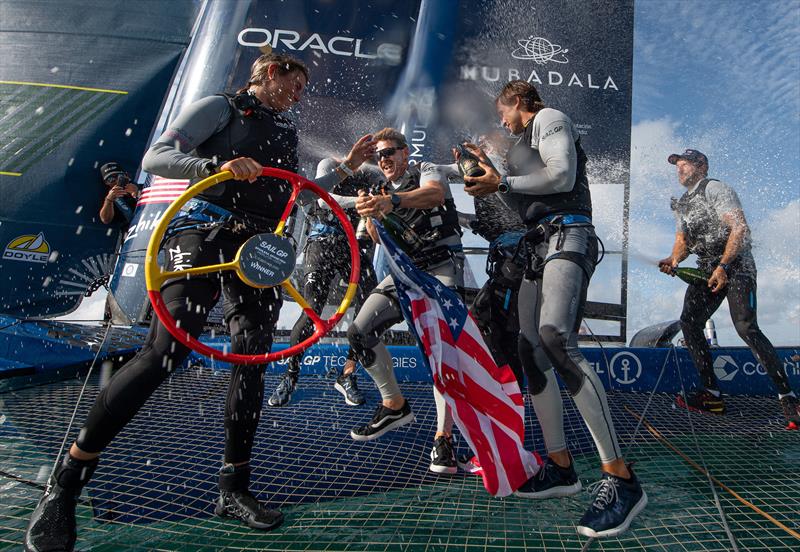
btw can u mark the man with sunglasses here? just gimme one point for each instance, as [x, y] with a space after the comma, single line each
[418, 194]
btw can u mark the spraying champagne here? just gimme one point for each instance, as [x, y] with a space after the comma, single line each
[468, 162]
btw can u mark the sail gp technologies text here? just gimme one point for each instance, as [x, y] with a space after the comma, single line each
[339, 45]
[338, 361]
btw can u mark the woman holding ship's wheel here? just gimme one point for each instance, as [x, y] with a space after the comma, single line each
[224, 237]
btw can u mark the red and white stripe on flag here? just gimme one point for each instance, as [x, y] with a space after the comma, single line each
[485, 399]
[162, 190]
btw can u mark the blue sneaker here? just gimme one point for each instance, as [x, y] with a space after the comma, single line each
[616, 503]
[347, 386]
[551, 481]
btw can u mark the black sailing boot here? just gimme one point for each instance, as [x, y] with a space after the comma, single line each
[52, 527]
[236, 501]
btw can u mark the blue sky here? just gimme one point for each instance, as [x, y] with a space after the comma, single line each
[722, 77]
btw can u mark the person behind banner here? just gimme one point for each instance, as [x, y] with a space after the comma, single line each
[326, 256]
[239, 133]
[495, 305]
[711, 224]
[547, 185]
[119, 202]
[420, 196]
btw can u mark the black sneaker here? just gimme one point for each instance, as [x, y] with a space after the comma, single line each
[282, 393]
[551, 481]
[52, 525]
[443, 459]
[791, 409]
[242, 505]
[701, 401]
[347, 386]
[616, 503]
[384, 419]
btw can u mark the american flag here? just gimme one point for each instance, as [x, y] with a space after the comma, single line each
[162, 190]
[485, 399]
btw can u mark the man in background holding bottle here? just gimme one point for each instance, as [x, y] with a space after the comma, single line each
[711, 224]
[418, 209]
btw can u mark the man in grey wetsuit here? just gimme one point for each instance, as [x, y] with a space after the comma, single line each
[239, 133]
[547, 185]
[711, 224]
[421, 197]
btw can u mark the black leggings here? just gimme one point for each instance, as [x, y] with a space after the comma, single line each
[251, 315]
[495, 312]
[326, 258]
[700, 303]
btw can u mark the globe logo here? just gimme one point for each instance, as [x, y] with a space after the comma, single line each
[540, 50]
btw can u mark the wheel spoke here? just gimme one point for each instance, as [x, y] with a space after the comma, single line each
[300, 300]
[288, 209]
[197, 270]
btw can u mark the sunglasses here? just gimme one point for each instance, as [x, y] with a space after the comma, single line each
[386, 152]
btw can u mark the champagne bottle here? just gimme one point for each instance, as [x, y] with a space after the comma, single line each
[691, 276]
[404, 236]
[361, 230]
[468, 163]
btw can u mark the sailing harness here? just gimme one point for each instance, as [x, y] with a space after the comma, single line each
[554, 226]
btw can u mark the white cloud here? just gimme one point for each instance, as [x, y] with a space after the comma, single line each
[775, 225]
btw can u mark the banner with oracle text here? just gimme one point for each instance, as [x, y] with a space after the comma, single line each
[432, 70]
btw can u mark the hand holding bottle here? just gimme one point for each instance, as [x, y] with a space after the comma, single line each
[668, 266]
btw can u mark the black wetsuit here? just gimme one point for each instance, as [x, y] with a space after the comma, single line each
[327, 255]
[215, 128]
[698, 215]
[495, 305]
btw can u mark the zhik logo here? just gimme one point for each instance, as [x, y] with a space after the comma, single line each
[725, 368]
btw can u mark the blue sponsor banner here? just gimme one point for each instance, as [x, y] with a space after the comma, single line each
[81, 84]
[623, 369]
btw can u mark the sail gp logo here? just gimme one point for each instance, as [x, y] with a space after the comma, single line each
[30, 248]
[540, 50]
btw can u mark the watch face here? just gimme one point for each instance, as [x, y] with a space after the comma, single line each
[395, 200]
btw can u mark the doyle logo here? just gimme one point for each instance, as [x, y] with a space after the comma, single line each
[725, 368]
[540, 50]
[29, 248]
[625, 367]
[346, 46]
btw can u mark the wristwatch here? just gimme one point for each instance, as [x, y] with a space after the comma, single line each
[395, 201]
[503, 187]
[345, 169]
[210, 168]
[725, 266]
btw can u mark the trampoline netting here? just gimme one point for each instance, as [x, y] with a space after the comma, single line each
[714, 483]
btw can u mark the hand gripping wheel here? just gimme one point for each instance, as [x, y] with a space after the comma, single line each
[264, 260]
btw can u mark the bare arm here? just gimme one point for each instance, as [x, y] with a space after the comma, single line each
[679, 252]
[736, 222]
